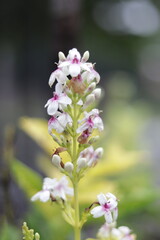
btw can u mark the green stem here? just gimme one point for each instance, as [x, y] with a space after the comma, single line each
[76, 205]
[77, 231]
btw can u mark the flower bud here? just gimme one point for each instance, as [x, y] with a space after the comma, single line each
[68, 166]
[91, 87]
[61, 56]
[89, 99]
[51, 79]
[81, 163]
[56, 160]
[37, 236]
[85, 56]
[99, 152]
[97, 93]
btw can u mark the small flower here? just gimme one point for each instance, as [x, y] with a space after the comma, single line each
[108, 204]
[59, 122]
[105, 230]
[53, 189]
[91, 121]
[74, 63]
[92, 156]
[44, 194]
[61, 189]
[91, 76]
[108, 231]
[59, 75]
[59, 100]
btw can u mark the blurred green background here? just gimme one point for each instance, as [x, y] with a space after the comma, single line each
[123, 38]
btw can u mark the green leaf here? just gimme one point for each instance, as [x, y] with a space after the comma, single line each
[26, 178]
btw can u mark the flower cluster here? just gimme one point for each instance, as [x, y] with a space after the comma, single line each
[72, 123]
[108, 232]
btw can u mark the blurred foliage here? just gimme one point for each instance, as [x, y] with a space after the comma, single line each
[28, 234]
[9, 232]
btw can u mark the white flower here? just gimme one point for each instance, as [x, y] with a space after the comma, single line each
[59, 122]
[108, 204]
[44, 194]
[52, 188]
[105, 230]
[61, 189]
[59, 75]
[59, 100]
[109, 230]
[91, 121]
[74, 63]
[91, 75]
[91, 156]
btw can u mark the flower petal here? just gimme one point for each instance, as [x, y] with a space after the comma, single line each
[74, 70]
[52, 79]
[64, 99]
[115, 214]
[102, 199]
[52, 108]
[97, 211]
[108, 217]
[45, 196]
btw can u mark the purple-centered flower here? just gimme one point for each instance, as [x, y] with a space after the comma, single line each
[59, 121]
[91, 75]
[59, 100]
[74, 63]
[91, 156]
[61, 189]
[52, 188]
[91, 121]
[108, 207]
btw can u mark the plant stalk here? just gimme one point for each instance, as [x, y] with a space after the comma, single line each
[77, 230]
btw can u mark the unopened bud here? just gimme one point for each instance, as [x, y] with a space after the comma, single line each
[37, 236]
[85, 56]
[81, 163]
[97, 93]
[51, 79]
[68, 166]
[89, 99]
[61, 56]
[99, 152]
[93, 140]
[91, 87]
[56, 160]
